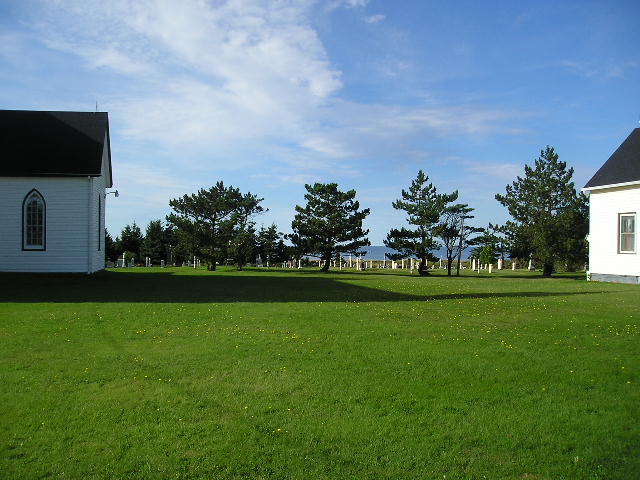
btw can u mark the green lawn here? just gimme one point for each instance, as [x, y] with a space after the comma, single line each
[176, 373]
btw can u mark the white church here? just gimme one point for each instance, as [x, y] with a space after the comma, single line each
[55, 170]
[614, 204]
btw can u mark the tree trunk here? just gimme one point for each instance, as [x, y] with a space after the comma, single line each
[325, 266]
[547, 270]
[423, 271]
[449, 265]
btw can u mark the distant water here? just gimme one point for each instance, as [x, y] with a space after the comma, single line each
[378, 252]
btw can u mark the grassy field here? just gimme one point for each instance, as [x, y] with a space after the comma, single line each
[183, 374]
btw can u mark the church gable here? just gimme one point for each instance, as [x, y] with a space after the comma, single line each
[622, 167]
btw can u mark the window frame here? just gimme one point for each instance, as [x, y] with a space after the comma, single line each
[34, 247]
[634, 233]
[99, 222]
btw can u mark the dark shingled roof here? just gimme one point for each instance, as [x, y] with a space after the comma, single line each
[53, 143]
[623, 166]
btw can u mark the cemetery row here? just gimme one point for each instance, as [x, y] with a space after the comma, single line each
[357, 263]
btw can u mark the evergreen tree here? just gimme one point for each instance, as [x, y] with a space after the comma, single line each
[454, 233]
[131, 240]
[330, 223]
[110, 247]
[242, 246]
[178, 245]
[268, 239]
[153, 245]
[487, 254]
[518, 245]
[209, 221]
[424, 208]
[282, 252]
[491, 242]
[549, 216]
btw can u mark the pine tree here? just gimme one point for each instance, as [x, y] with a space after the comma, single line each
[330, 223]
[268, 239]
[153, 245]
[243, 243]
[455, 233]
[131, 240]
[550, 219]
[209, 220]
[424, 208]
[110, 247]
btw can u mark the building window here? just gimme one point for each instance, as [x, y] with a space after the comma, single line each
[627, 232]
[33, 222]
[99, 222]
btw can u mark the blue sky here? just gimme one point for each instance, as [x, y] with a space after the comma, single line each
[270, 95]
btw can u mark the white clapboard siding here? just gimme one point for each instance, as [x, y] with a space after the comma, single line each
[605, 205]
[67, 225]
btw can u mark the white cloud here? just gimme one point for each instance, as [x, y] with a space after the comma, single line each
[237, 68]
[201, 77]
[500, 171]
[374, 18]
[591, 69]
[333, 4]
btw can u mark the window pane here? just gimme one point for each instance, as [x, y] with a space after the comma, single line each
[627, 241]
[627, 224]
[34, 218]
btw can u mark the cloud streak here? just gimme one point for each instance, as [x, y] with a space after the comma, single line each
[206, 75]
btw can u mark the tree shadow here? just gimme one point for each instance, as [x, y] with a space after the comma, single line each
[172, 287]
[442, 273]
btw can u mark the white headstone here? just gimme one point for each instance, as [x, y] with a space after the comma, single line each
[490, 267]
[513, 265]
[499, 264]
[530, 264]
[473, 264]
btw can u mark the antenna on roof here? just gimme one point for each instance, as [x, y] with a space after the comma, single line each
[96, 106]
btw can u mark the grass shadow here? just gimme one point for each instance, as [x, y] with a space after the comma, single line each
[171, 286]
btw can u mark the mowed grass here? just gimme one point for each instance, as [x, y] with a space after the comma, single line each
[183, 374]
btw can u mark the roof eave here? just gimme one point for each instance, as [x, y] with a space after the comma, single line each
[612, 185]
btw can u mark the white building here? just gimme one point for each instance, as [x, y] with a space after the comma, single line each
[53, 175]
[614, 193]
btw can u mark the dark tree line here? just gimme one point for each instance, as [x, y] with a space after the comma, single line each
[549, 225]
[215, 225]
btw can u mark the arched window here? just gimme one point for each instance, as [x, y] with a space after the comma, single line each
[34, 221]
[99, 222]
